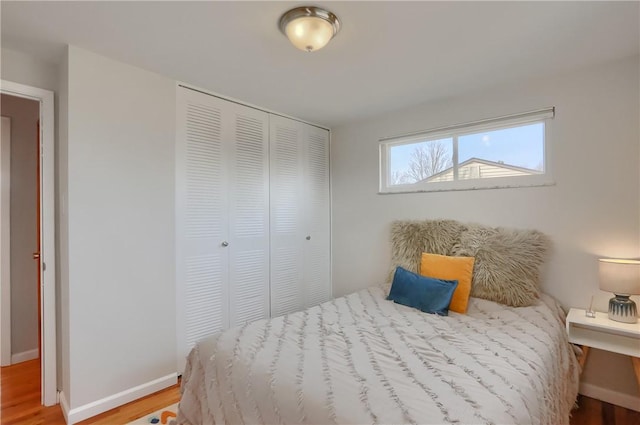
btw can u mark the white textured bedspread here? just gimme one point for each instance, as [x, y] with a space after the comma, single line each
[361, 359]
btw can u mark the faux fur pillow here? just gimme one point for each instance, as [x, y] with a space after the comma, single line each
[409, 239]
[507, 263]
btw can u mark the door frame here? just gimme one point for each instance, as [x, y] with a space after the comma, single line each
[5, 244]
[47, 259]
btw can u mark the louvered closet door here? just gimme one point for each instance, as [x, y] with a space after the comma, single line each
[317, 269]
[287, 233]
[201, 219]
[249, 216]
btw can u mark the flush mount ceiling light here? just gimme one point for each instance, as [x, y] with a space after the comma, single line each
[309, 28]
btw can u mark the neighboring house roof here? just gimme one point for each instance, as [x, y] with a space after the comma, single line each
[478, 161]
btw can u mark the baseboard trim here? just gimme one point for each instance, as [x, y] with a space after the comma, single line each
[24, 356]
[610, 396]
[100, 406]
[64, 405]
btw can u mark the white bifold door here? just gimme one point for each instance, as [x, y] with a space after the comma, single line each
[300, 215]
[252, 216]
[222, 216]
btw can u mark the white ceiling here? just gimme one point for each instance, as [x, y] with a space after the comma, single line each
[388, 55]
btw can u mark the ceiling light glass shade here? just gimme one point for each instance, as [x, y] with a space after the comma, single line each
[309, 28]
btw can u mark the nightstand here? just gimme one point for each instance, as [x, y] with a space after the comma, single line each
[604, 334]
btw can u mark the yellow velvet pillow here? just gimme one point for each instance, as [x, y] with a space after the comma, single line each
[451, 268]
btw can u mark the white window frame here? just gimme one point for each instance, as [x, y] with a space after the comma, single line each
[516, 120]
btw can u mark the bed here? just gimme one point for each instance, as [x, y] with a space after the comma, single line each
[361, 359]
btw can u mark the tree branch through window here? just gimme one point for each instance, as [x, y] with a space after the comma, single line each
[426, 160]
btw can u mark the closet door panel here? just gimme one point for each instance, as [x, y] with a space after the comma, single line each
[201, 219]
[317, 269]
[287, 234]
[249, 216]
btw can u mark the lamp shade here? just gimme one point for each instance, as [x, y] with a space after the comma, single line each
[620, 276]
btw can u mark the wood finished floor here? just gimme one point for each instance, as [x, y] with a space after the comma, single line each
[20, 394]
[20, 401]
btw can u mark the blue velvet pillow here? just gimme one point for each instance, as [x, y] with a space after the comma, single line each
[424, 293]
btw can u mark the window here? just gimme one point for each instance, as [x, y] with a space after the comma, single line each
[499, 152]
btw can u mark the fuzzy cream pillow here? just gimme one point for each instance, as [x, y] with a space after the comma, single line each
[507, 263]
[409, 239]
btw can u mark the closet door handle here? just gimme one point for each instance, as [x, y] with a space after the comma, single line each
[308, 238]
[225, 243]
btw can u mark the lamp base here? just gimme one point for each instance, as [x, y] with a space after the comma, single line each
[622, 309]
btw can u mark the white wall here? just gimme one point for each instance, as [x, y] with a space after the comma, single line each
[591, 212]
[24, 114]
[119, 209]
[25, 69]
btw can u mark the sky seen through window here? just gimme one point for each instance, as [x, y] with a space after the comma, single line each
[521, 146]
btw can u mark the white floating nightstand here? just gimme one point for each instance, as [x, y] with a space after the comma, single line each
[602, 333]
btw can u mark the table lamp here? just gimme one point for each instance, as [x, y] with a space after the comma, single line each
[622, 277]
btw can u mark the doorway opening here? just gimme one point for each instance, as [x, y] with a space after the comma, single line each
[20, 227]
[27, 248]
